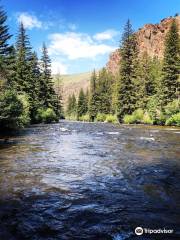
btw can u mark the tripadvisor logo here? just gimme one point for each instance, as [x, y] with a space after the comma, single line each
[139, 231]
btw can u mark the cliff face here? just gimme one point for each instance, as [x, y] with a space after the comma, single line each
[150, 39]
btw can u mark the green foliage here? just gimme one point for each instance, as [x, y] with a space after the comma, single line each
[25, 116]
[129, 119]
[111, 118]
[82, 106]
[147, 118]
[145, 82]
[101, 117]
[84, 118]
[128, 72]
[172, 107]
[46, 115]
[14, 110]
[174, 120]
[71, 110]
[93, 98]
[138, 116]
[171, 66]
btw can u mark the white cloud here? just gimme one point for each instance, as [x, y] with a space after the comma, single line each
[77, 45]
[29, 21]
[106, 35]
[58, 68]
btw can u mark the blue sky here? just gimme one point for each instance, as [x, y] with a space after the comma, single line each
[80, 34]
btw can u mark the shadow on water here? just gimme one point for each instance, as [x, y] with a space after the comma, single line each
[103, 188]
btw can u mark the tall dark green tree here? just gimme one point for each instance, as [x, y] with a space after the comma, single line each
[145, 83]
[82, 104]
[71, 110]
[128, 70]
[171, 66]
[35, 75]
[24, 56]
[5, 48]
[47, 91]
[93, 97]
[104, 91]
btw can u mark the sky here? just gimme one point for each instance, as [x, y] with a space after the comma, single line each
[81, 34]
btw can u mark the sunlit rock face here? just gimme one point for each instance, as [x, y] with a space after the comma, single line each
[150, 40]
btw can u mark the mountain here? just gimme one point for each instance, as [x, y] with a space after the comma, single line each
[72, 83]
[150, 39]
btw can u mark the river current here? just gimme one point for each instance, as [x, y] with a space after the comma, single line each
[92, 181]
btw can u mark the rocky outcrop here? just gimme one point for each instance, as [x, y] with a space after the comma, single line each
[150, 39]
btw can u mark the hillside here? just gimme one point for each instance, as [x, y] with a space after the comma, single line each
[72, 83]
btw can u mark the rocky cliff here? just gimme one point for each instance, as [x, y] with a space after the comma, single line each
[150, 39]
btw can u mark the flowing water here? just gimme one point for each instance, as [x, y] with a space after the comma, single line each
[75, 180]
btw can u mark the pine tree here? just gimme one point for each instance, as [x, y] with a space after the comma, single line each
[92, 109]
[82, 104]
[71, 106]
[171, 66]
[104, 92]
[145, 84]
[5, 48]
[128, 71]
[34, 97]
[47, 92]
[24, 55]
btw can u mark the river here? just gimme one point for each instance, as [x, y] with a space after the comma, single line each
[92, 181]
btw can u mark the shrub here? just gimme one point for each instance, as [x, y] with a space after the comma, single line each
[46, 115]
[174, 120]
[129, 119]
[138, 115]
[14, 110]
[84, 118]
[147, 119]
[111, 118]
[173, 107]
[25, 116]
[153, 107]
[101, 117]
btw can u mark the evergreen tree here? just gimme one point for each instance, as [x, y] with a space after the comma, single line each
[92, 109]
[5, 48]
[82, 104]
[145, 83]
[47, 92]
[128, 71]
[104, 84]
[71, 106]
[35, 75]
[171, 66]
[24, 56]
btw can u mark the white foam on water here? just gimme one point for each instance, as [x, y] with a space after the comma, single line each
[147, 138]
[63, 129]
[99, 133]
[113, 133]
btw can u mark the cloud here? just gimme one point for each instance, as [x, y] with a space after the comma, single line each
[106, 35]
[77, 46]
[58, 68]
[29, 21]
